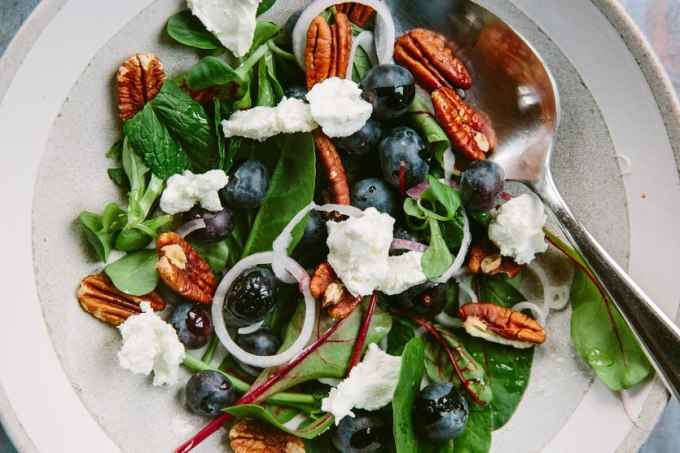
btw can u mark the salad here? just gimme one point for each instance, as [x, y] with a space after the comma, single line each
[313, 230]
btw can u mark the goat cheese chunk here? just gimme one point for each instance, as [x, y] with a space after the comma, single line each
[403, 272]
[151, 344]
[185, 190]
[260, 123]
[517, 228]
[358, 250]
[370, 385]
[338, 107]
[231, 21]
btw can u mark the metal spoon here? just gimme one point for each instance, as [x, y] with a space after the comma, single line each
[526, 108]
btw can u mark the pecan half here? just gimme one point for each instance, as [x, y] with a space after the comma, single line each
[485, 258]
[99, 297]
[327, 50]
[322, 277]
[183, 269]
[467, 129]
[139, 80]
[332, 167]
[358, 14]
[255, 436]
[426, 54]
[326, 284]
[501, 325]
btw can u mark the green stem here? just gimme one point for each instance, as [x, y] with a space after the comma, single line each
[209, 353]
[280, 52]
[251, 61]
[297, 399]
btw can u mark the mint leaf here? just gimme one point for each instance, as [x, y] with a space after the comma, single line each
[135, 273]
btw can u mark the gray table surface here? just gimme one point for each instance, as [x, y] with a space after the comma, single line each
[666, 434]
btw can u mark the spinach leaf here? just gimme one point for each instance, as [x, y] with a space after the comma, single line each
[291, 188]
[187, 29]
[264, 31]
[135, 273]
[102, 241]
[255, 411]
[211, 71]
[330, 359]
[265, 5]
[437, 258]
[410, 376]
[476, 438]
[119, 178]
[224, 254]
[603, 339]
[362, 64]
[452, 231]
[422, 119]
[402, 331]
[320, 444]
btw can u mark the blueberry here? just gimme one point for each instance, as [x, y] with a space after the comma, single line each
[261, 342]
[287, 32]
[403, 144]
[426, 300]
[193, 325]
[296, 92]
[374, 193]
[315, 231]
[208, 392]
[247, 186]
[390, 88]
[480, 184]
[440, 412]
[366, 432]
[362, 142]
[251, 297]
[218, 225]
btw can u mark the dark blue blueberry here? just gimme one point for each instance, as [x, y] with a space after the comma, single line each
[440, 412]
[366, 432]
[403, 144]
[426, 300]
[208, 392]
[297, 92]
[481, 184]
[362, 142]
[261, 342]
[251, 297]
[287, 32]
[218, 225]
[374, 193]
[315, 231]
[390, 88]
[193, 325]
[247, 186]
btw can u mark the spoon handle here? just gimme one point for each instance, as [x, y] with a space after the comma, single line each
[656, 332]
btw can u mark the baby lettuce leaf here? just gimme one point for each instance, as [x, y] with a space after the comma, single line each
[603, 339]
[265, 92]
[187, 29]
[119, 178]
[331, 359]
[265, 5]
[508, 368]
[422, 119]
[476, 438]
[291, 188]
[362, 64]
[102, 241]
[135, 273]
[264, 31]
[411, 375]
[309, 431]
[437, 258]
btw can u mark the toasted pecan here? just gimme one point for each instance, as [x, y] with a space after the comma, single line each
[327, 49]
[255, 436]
[485, 258]
[332, 166]
[518, 328]
[139, 80]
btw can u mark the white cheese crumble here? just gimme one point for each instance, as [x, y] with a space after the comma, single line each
[338, 107]
[260, 123]
[231, 21]
[358, 250]
[517, 228]
[403, 272]
[185, 190]
[149, 343]
[370, 385]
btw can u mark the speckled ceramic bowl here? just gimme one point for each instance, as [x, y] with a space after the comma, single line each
[63, 390]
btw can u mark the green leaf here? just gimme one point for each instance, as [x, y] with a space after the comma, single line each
[116, 150]
[410, 376]
[453, 230]
[224, 254]
[114, 218]
[437, 258]
[210, 72]
[362, 64]
[476, 438]
[132, 239]
[331, 359]
[265, 5]
[255, 411]
[401, 333]
[101, 241]
[440, 194]
[119, 178]
[265, 93]
[187, 29]
[135, 273]
[135, 170]
[603, 339]
[264, 31]
[423, 121]
[291, 188]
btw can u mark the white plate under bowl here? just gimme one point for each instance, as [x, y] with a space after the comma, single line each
[63, 389]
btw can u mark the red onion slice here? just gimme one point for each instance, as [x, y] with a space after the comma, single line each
[366, 41]
[190, 227]
[403, 244]
[460, 257]
[291, 266]
[385, 33]
[415, 191]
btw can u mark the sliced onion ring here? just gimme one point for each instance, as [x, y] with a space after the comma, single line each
[538, 311]
[385, 33]
[465, 288]
[235, 350]
[366, 41]
[448, 321]
[403, 244]
[190, 227]
[250, 329]
[449, 163]
[460, 257]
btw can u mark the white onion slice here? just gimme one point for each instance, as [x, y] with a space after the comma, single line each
[190, 227]
[560, 297]
[448, 321]
[385, 33]
[366, 41]
[283, 241]
[403, 244]
[466, 289]
[460, 258]
[538, 311]
[344, 209]
[449, 163]
[249, 370]
[291, 266]
[250, 329]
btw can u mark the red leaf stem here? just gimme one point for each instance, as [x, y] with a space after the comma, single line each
[402, 179]
[363, 333]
